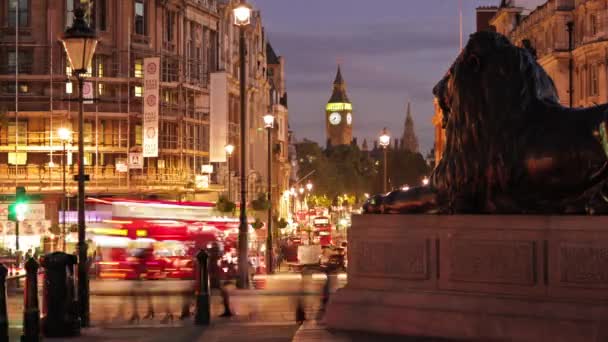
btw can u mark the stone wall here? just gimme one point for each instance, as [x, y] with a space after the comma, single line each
[515, 278]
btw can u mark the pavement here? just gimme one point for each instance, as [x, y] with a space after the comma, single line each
[265, 314]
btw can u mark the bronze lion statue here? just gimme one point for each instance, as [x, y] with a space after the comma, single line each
[511, 147]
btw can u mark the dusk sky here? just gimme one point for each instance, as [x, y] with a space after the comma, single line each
[392, 52]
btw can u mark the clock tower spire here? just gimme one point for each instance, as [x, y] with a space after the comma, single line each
[338, 114]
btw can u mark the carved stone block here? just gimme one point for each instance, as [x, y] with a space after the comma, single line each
[498, 262]
[584, 263]
[391, 259]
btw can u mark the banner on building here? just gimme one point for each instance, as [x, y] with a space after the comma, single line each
[136, 161]
[87, 92]
[151, 106]
[218, 132]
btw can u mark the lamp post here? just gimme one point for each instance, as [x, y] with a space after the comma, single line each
[80, 42]
[65, 135]
[269, 125]
[569, 28]
[308, 189]
[229, 150]
[242, 19]
[385, 141]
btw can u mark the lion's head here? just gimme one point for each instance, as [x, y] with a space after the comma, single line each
[487, 95]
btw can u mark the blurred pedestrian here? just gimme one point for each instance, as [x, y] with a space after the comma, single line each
[226, 300]
[140, 270]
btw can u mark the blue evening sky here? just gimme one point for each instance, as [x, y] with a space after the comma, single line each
[392, 52]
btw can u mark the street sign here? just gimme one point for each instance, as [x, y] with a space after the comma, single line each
[136, 160]
[202, 181]
[121, 165]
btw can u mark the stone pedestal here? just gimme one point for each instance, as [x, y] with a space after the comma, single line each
[487, 278]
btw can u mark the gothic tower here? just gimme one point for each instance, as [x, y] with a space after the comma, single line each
[338, 115]
[409, 140]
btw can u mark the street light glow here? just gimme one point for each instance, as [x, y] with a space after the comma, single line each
[229, 149]
[242, 14]
[309, 186]
[65, 134]
[301, 190]
[268, 121]
[385, 138]
[405, 188]
[425, 181]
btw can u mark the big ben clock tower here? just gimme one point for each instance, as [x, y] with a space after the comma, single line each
[338, 115]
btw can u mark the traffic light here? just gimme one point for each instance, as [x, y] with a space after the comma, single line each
[17, 209]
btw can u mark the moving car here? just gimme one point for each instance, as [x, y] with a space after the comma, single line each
[372, 204]
[417, 199]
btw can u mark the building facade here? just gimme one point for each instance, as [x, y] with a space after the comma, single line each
[197, 44]
[266, 94]
[38, 92]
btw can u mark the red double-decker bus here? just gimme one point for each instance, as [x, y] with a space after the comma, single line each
[322, 226]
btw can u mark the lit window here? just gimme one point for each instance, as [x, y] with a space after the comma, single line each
[100, 89]
[138, 135]
[68, 88]
[18, 158]
[138, 91]
[88, 158]
[100, 69]
[139, 68]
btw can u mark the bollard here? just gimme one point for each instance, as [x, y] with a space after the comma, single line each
[202, 314]
[31, 314]
[3, 310]
[60, 314]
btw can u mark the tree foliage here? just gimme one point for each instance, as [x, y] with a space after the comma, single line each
[345, 169]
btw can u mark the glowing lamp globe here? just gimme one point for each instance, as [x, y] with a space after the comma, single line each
[65, 134]
[385, 138]
[268, 121]
[229, 149]
[242, 14]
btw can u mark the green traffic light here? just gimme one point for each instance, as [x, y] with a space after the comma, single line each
[16, 211]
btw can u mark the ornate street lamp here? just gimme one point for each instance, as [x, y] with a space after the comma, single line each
[242, 19]
[385, 141]
[80, 42]
[229, 149]
[269, 125]
[65, 135]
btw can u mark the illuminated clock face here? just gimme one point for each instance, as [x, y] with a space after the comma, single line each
[349, 119]
[335, 118]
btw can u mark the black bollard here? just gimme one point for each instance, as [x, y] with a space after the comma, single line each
[31, 313]
[3, 310]
[202, 314]
[60, 314]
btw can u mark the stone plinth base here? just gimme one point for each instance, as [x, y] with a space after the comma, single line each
[485, 278]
